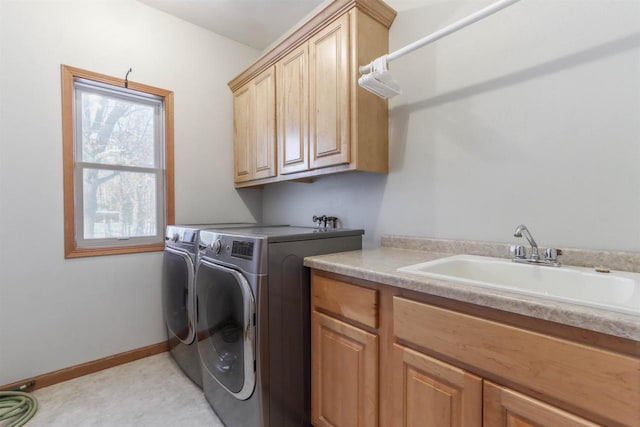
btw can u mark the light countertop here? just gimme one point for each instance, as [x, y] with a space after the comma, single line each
[380, 265]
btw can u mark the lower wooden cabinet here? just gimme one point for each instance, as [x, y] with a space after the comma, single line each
[344, 354]
[382, 359]
[507, 408]
[431, 393]
[344, 374]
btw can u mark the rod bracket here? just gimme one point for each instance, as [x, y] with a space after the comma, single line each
[126, 79]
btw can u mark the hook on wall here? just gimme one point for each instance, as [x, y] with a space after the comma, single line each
[126, 81]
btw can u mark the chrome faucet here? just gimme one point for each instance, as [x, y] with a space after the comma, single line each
[519, 252]
[522, 229]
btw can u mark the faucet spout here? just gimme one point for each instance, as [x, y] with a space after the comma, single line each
[522, 230]
[519, 253]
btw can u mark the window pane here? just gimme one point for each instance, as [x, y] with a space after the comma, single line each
[119, 204]
[115, 130]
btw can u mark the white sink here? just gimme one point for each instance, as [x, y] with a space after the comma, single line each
[618, 291]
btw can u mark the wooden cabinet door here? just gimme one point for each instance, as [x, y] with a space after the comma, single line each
[344, 374]
[329, 97]
[254, 131]
[242, 133]
[430, 393]
[506, 408]
[292, 92]
[264, 152]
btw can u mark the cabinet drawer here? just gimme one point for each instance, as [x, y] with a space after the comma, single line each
[600, 382]
[349, 301]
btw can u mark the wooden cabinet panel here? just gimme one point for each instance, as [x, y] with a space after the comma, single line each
[575, 384]
[242, 133]
[595, 380]
[254, 129]
[326, 123]
[344, 374]
[506, 408]
[431, 393]
[292, 111]
[264, 157]
[329, 98]
[350, 301]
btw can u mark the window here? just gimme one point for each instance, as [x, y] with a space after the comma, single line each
[118, 164]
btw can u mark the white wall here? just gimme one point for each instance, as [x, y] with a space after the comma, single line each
[56, 313]
[530, 116]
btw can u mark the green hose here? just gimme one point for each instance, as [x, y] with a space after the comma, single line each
[17, 404]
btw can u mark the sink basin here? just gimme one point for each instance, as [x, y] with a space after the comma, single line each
[618, 291]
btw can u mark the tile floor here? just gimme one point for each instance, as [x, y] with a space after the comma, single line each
[149, 392]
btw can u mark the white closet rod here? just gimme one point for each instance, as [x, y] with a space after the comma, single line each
[482, 13]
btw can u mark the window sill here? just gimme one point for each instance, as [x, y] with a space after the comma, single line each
[89, 252]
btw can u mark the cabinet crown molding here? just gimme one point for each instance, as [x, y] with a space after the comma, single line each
[376, 9]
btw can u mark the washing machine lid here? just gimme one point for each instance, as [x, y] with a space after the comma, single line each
[186, 235]
[246, 248]
[288, 233]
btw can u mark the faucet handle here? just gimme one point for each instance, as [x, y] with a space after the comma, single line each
[518, 251]
[551, 254]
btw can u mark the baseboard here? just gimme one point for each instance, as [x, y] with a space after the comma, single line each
[72, 372]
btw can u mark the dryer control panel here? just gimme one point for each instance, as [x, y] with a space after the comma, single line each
[242, 249]
[247, 253]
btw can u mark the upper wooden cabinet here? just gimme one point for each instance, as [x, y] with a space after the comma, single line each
[325, 123]
[293, 105]
[329, 95]
[254, 128]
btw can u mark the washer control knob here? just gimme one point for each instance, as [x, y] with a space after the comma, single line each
[216, 246]
[175, 237]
